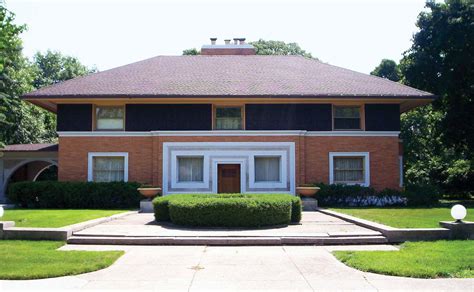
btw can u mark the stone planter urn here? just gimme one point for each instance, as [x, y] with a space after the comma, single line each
[307, 191]
[149, 192]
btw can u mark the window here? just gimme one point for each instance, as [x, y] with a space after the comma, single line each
[347, 118]
[190, 169]
[349, 168]
[267, 169]
[109, 117]
[228, 118]
[107, 166]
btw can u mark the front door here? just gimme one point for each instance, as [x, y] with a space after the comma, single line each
[228, 178]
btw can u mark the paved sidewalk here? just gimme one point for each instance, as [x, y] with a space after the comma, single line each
[313, 224]
[201, 268]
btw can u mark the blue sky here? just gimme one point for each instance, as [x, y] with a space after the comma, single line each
[106, 34]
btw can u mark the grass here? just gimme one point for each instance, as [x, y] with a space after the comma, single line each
[405, 217]
[53, 217]
[437, 259]
[21, 260]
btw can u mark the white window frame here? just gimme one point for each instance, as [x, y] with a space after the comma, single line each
[175, 183]
[90, 163]
[273, 184]
[365, 155]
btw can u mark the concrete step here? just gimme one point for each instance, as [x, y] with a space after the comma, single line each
[229, 241]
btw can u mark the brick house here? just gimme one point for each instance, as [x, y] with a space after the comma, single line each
[230, 121]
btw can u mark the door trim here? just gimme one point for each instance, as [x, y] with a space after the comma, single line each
[240, 161]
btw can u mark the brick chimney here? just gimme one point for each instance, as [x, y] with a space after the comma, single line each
[239, 47]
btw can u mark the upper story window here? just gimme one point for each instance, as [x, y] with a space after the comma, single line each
[228, 118]
[110, 118]
[347, 118]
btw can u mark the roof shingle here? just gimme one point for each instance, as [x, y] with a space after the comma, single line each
[222, 76]
[43, 147]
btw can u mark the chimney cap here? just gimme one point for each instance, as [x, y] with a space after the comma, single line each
[213, 39]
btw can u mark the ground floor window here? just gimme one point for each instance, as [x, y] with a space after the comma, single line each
[267, 169]
[190, 169]
[108, 167]
[349, 168]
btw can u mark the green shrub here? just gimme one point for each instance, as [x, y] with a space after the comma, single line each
[75, 195]
[296, 209]
[338, 195]
[228, 210]
[421, 195]
[160, 206]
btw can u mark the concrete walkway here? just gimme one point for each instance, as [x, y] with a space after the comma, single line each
[201, 268]
[143, 224]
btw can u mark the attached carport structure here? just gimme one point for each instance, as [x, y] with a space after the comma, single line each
[25, 162]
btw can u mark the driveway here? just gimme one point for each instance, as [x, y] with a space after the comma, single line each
[204, 268]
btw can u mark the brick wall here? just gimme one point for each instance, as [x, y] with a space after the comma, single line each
[383, 156]
[312, 155]
[73, 154]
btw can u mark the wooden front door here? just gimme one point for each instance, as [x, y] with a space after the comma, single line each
[228, 178]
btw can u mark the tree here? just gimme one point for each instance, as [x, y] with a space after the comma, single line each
[53, 67]
[264, 47]
[17, 119]
[20, 121]
[428, 160]
[387, 69]
[191, 52]
[439, 138]
[441, 61]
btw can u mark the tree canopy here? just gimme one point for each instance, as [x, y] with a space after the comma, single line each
[441, 61]
[270, 47]
[439, 138]
[387, 69]
[53, 67]
[22, 122]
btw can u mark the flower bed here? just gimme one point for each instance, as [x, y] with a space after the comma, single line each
[228, 210]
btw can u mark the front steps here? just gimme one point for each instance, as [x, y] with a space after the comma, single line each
[228, 241]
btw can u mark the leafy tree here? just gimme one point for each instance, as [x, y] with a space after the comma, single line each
[191, 52]
[428, 160]
[53, 67]
[20, 121]
[441, 61]
[439, 138]
[264, 47]
[387, 69]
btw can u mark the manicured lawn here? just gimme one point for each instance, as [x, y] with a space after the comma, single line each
[53, 217]
[22, 260]
[438, 259]
[405, 217]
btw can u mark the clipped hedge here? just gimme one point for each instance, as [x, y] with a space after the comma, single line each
[228, 210]
[75, 195]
